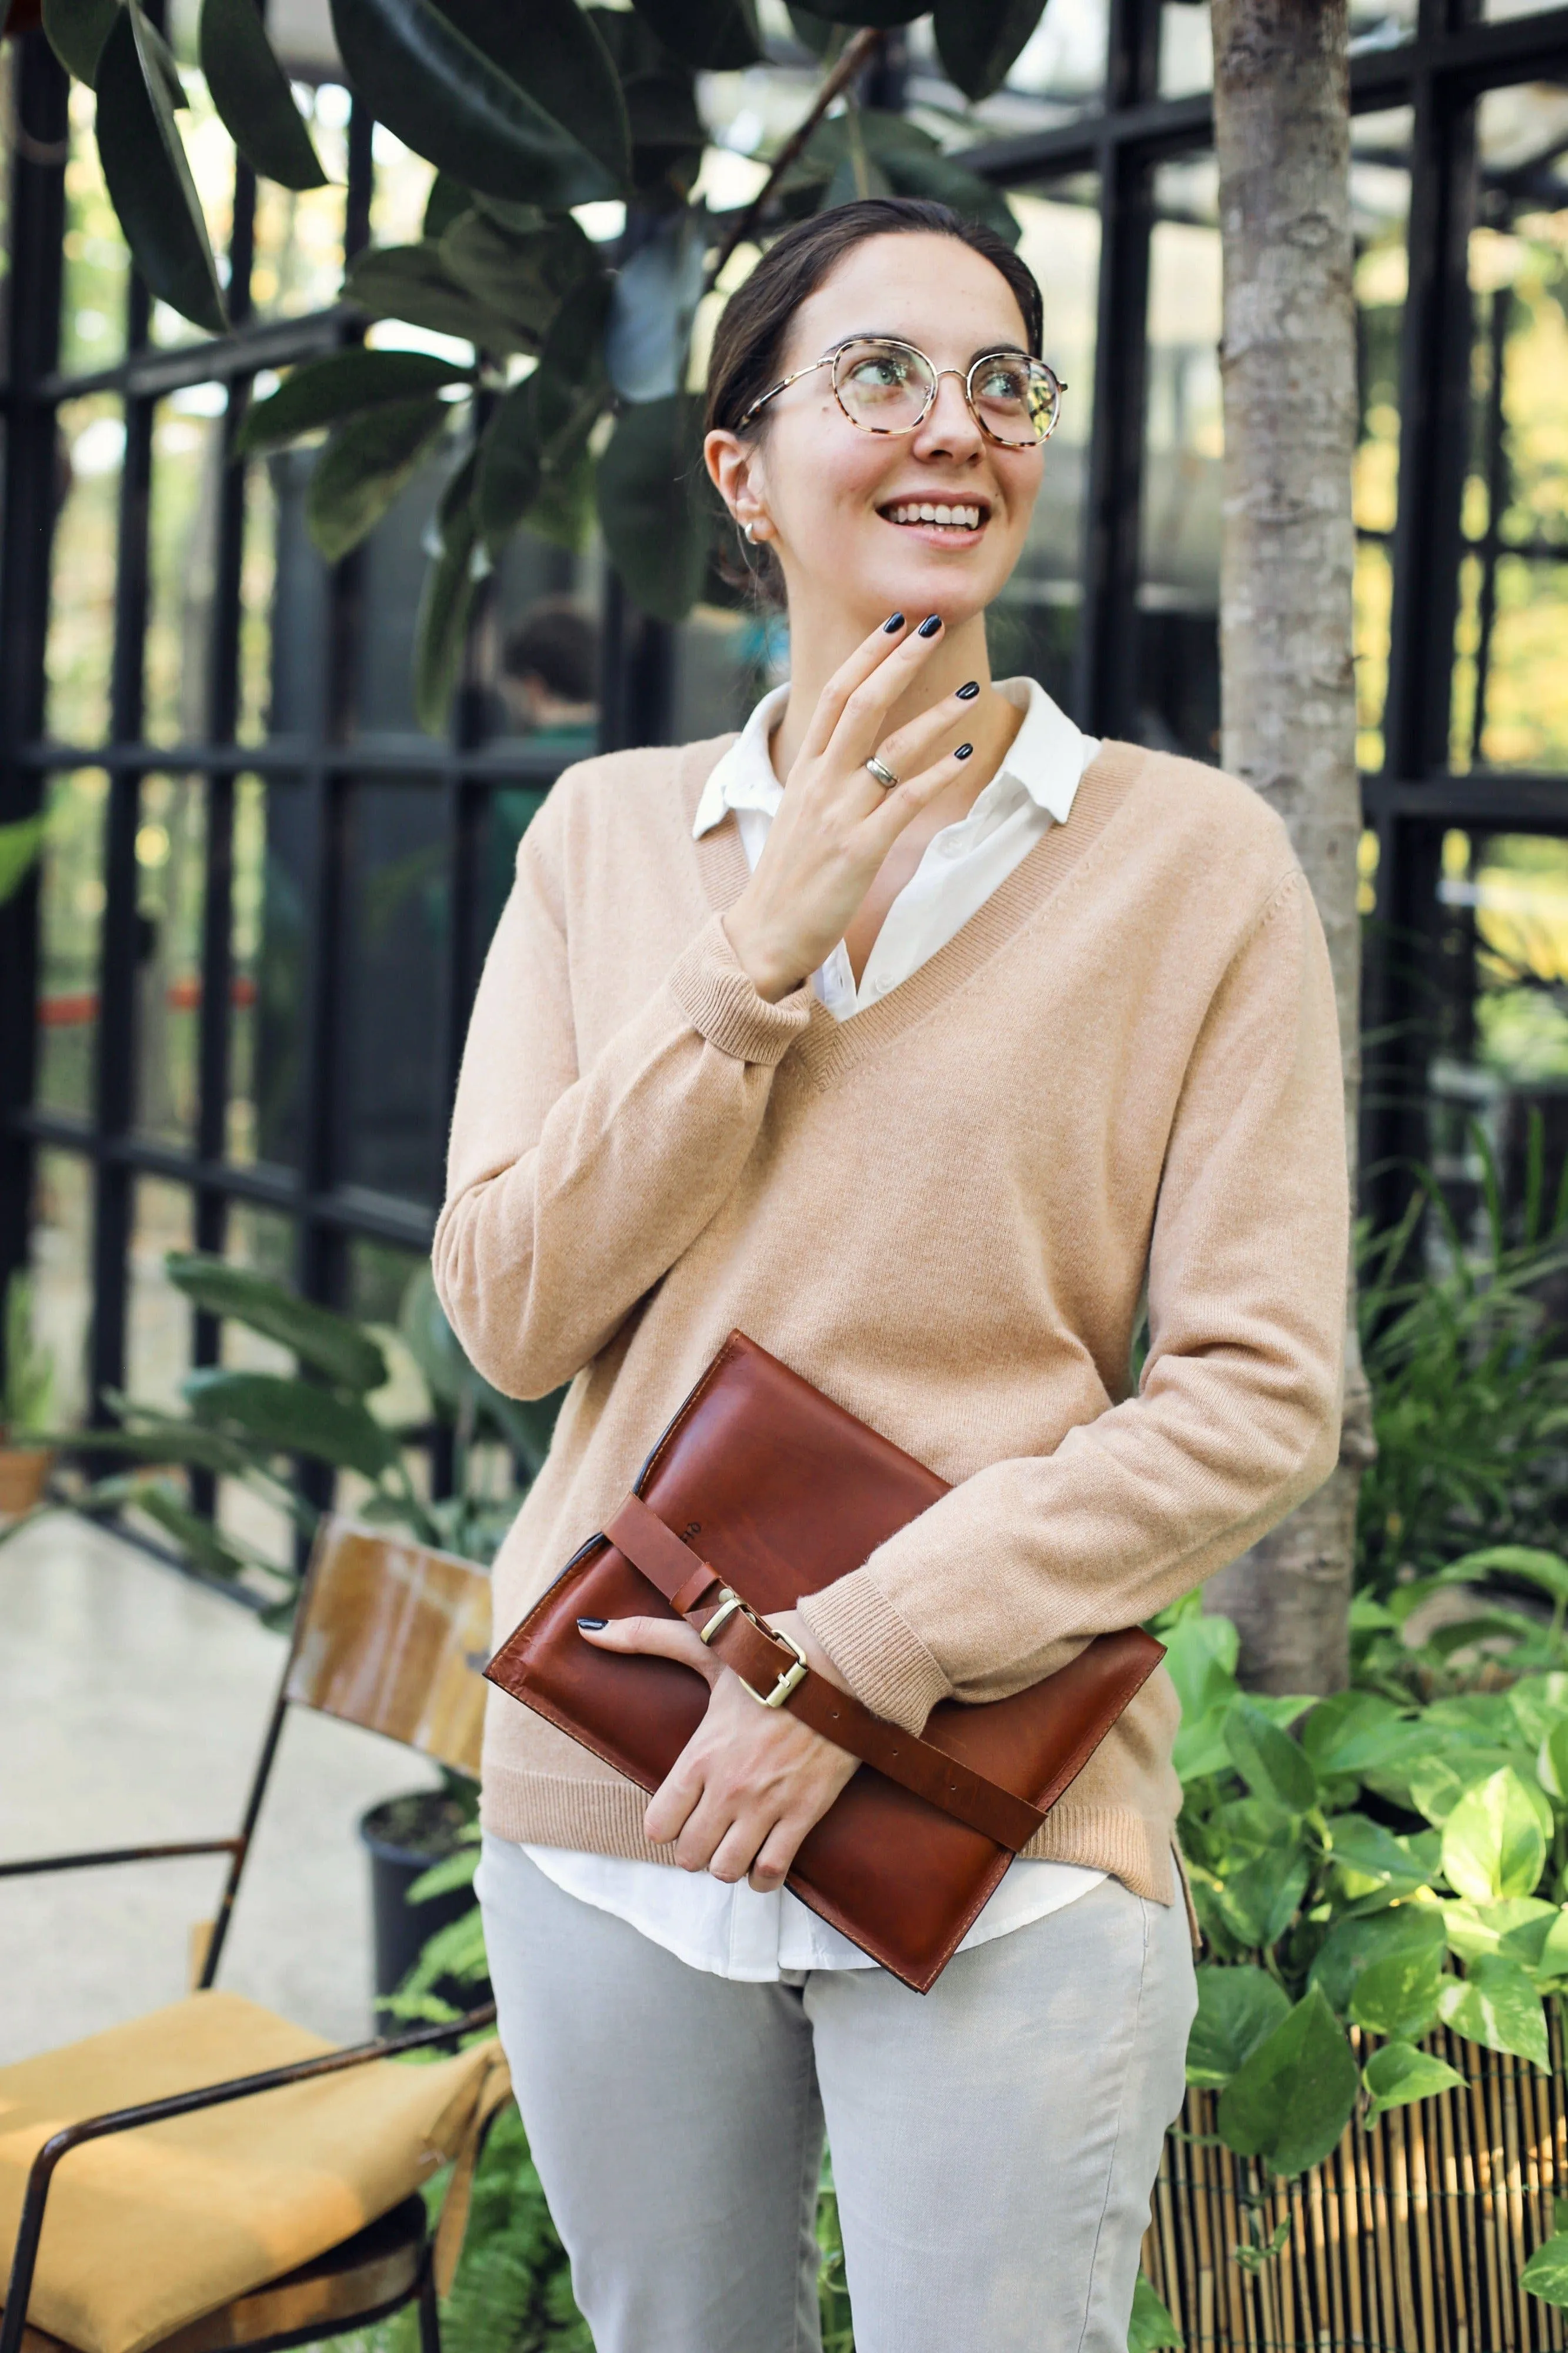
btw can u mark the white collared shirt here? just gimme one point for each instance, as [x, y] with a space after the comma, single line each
[734, 1932]
[962, 864]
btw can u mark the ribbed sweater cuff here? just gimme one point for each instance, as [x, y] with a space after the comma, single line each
[715, 992]
[882, 1660]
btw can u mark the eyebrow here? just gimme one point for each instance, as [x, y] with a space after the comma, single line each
[981, 350]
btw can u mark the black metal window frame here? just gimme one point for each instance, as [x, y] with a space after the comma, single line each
[1440, 73]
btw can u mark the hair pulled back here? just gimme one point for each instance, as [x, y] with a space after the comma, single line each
[749, 341]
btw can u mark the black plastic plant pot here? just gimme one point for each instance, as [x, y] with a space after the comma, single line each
[403, 1838]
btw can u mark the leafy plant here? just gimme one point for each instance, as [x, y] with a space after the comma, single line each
[251, 1427]
[580, 361]
[29, 1370]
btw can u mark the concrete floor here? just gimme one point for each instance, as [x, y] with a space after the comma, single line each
[132, 1705]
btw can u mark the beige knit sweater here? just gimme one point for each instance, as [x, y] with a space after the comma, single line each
[1123, 1069]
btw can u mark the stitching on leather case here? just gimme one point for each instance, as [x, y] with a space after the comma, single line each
[728, 1351]
[1086, 1748]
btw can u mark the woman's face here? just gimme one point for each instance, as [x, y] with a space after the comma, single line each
[829, 493]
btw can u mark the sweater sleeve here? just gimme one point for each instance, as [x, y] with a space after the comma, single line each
[570, 1192]
[1236, 1416]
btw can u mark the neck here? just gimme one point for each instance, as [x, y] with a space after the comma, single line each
[819, 643]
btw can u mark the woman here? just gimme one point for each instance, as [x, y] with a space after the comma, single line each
[919, 1037]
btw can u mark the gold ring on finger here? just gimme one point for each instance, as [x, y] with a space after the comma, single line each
[883, 774]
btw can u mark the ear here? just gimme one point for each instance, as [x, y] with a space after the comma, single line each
[735, 470]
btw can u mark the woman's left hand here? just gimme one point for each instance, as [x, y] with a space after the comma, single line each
[752, 1780]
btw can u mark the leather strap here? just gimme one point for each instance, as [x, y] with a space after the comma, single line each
[744, 1642]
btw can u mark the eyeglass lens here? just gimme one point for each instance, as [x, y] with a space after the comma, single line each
[886, 387]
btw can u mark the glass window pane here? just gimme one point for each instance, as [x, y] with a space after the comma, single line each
[158, 1316]
[91, 443]
[71, 927]
[1178, 594]
[538, 649]
[171, 849]
[394, 565]
[1511, 700]
[247, 902]
[187, 475]
[1186, 49]
[60, 1251]
[273, 863]
[299, 256]
[258, 581]
[398, 919]
[95, 279]
[1033, 628]
[1380, 212]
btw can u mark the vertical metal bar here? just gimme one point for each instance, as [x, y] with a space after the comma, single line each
[1495, 459]
[40, 92]
[1104, 666]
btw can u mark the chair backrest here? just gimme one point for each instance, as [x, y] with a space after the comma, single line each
[394, 1635]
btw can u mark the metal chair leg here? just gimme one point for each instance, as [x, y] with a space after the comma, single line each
[429, 2309]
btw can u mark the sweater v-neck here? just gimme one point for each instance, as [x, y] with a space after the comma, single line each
[829, 1046]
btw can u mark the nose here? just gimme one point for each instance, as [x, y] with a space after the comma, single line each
[950, 429]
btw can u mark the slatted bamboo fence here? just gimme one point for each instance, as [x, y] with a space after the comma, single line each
[1408, 2239]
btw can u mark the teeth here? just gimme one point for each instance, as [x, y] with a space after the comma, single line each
[955, 518]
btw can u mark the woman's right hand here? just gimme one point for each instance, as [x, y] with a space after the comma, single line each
[835, 823]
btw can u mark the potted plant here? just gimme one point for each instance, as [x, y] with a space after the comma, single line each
[25, 1458]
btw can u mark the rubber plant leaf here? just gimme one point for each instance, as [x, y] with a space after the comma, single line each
[251, 91]
[651, 308]
[654, 508]
[149, 179]
[364, 466]
[1291, 2101]
[291, 1417]
[326, 390]
[77, 30]
[463, 107]
[327, 1342]
[979, 40]
[412, 283]
[537, 432]
[552, 49]
[445, 601]
[522, 279]
[715, 35]
[204, 1544]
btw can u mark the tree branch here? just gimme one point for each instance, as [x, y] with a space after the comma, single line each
[856, 55]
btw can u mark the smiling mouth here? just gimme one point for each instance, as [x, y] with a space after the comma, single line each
[946, 514]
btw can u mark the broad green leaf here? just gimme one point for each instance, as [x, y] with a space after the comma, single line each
[554, 52]
[330, 1343]
[1398, 1995]
[1237, 2010]
[563, 510]
[364, 466]
[652, 308]
[1150, 2328]
[1536, 1703]
[522, 279]
[77, 30]
[1350, 1731]
[202, 1542]
[289, 1416]
[1292, 2099]
[1548, 1570]
[1546, 2273]
[1200, 1659]
[1271, 1764]
[1516, 1927]
[655, 508]
[448, 201]
[1437, 1782]
[526, 1425]
[1367, 1847]
[325, 391]
[540, 426]
[160, 1442]
[717, 35]
[1551, 1761]
[148, 177]
[511, 468]
[445, 602]
[1495, 2004]
[251, 91]
[412, 283]
[20, 844]
[979, 40]
[1551, 1961]
[1353, 1945]
[1492, 1842]
[1200, 1749]
[1399, 2074]
[1258, 1901]
[465, 106]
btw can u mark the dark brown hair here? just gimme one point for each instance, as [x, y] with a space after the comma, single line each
[749, 341]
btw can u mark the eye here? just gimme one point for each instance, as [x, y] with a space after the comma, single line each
[881, 372]
[1000, 380]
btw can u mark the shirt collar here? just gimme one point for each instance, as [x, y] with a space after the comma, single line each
[1048, 756]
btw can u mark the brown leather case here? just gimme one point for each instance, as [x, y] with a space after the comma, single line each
[780, 1490]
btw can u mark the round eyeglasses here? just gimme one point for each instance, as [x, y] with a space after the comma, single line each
[886, 386]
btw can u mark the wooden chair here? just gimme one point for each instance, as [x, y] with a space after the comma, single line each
[392, 1636]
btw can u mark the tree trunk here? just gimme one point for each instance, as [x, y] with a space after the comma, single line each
[1287, 697]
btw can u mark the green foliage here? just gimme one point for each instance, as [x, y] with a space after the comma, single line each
[250, 91]
[20, 845]
[1292, 2098]
[29, 1370]
[148, 177]
[1151, 2328]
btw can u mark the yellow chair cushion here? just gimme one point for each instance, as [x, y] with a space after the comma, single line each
[147, 2230]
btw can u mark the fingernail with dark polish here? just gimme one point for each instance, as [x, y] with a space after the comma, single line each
[892, 626]
[967, 693]
[592, 1625]
[929, 628]
[962, 753]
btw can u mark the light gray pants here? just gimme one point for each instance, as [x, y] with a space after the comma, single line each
[994, 2142]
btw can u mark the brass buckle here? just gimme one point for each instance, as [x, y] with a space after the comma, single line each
[790, 1677]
